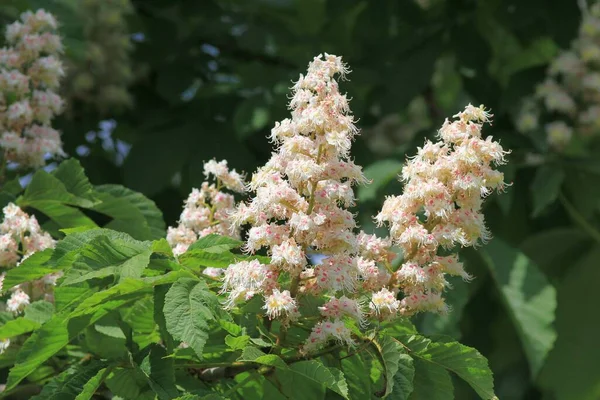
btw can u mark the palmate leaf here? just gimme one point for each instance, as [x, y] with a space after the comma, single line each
[398, 368]
[63, 327]
[530, 299]
[189, 308]
[459, 359]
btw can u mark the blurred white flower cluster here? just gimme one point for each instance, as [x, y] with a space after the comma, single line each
[20, 237]
[569, 98]
[30, 71]
[301, 207]
[207, 209]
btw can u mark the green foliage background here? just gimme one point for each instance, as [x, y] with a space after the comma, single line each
[211, 78]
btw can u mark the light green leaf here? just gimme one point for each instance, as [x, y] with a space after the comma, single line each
[31, 269]
[89, 389]
[237, 343]
[530, 299]
[196, 258]
[17, 327]
[214, 243]
[546, 187]
[189, 309]
[230, 327]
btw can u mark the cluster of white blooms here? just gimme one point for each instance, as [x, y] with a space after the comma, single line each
[440, 209]
[300, 208]
[207, 210]
[20, 237]
[301, 202]
[570, 96]
[30, 71]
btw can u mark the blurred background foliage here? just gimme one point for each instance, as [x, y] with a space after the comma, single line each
[157, 87]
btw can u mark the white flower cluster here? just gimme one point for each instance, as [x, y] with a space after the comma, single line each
[300, 208]
[570, 95]
[207, 210]
[20, 237]
[30, 71]
[440, 209]
[301, 202]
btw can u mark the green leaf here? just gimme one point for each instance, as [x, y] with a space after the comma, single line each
[72, 175]
[381, 173]
[61, 328]
[131, 212]
[107, 256]
[67, 250]
[546, 187]
[70, 383]
[571, 370]
[431, 382]
[29, 270]
[237, 343]
[359, 384]
[315, 371]
[127, 383]
[230, 327]
[49, 195]
[105, 346]
[399, 371]
[196, 258]
[89, 389]
[464, 361]
[140, 317]
[18, 327]
[159, 371]
[529, 298]
[39, 311]
[214, 243]
[189, 308]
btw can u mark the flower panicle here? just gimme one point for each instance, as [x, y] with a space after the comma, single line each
[30, 74]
